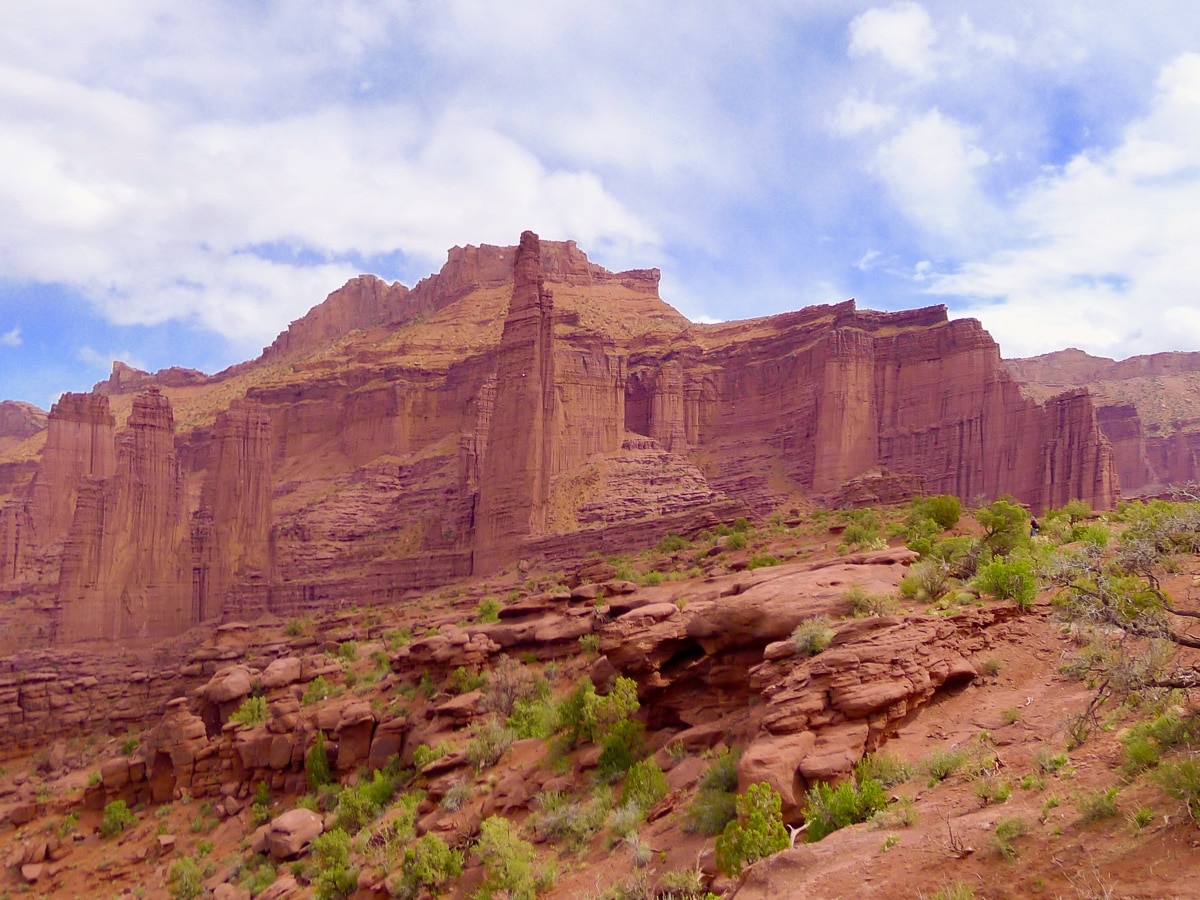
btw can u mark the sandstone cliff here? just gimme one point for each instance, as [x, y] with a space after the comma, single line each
[1147, 407]
[523, 402]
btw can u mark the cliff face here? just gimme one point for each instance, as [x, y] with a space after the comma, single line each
[1147, 406]
[523, 402]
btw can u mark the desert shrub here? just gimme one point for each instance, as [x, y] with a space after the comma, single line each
[488, 610]
[991, 666]
[117, 818]
[944, 509]
[363, 803]
[735, 541]
[957, 890]
[491, 739]
[941, 764]
[585, 714]
[990, 789]
[683, 884]
[186, 879]
[1005, 527]
[316, 764]
[672, 543]
[397, 637]
[621, 746]
[130, 744]
[863, 604]
[509, 681]
[1181, 781]
[1007, 831]
[885, 768]
[428, 864]
[757, 832]
[625, 821]
[333, 877]
[1076, 510]
[715, 805]
[423, 755]
[347, 651]
[318, 689]
[1146, 742]
[507, 861]
[534, 717]
[253, 711]
[1009, 579]
[561, 818]
[456, 795]
[1048, 761]
[812, 636]
[256, 875]
[762, 560]
[1093, 533]
[830, 808]
[645, 784]
[463, 680]
[927, 580]
[589, 644]
[1097, 805]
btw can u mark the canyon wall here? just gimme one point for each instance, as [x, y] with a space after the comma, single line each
[522, 403]
[1147, 406]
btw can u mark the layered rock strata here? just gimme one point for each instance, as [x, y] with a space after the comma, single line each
[523, 403]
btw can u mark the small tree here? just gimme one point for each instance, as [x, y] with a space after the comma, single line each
[316, 764]
[757, 832]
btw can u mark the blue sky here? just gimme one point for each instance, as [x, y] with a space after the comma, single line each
[179, 181]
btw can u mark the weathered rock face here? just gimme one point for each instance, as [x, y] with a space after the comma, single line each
[125, 566]
[20, 420]
[231, 532]
[1146, 406]
[80, 443]
[523, 402]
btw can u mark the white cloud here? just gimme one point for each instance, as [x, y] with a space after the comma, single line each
[930, 170]
[1108, 261]
[11, 338]
[902, 34]
[855, 115]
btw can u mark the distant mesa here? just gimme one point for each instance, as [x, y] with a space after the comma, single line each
[523, 403]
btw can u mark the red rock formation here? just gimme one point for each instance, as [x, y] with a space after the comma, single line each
[125, 379]
[1146, 406]
[125, 569]
[231, 532]
[79, 444]
[20, 420]
[523, 402]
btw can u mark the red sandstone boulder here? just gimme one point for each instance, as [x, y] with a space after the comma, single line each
[288, 834]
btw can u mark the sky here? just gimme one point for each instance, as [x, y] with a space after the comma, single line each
[179, 181]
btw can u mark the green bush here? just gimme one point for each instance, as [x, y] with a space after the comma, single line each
[1005, 527]
[1181, 781]
[735, 542]
[560, 818]
[621, 747]
[830, 808]
[1097, 805]
[318, 689]
[507, 861]
[423, 755]
[927, 580]
[885, 768]
[488, 610]
[672, 543]
[1007, 831]
[944, 509]
[534, 717]
[715, 805]
[758, 831]
[863, 604]
[359, 805]
[812, 636]
[186, 879]
[645, 785]
[762, 560]
[253, 711]
[1009, 579]
[428, 865]
[585, 714]
[316, 764]
[463, 680]
[491, 740]
[117, 818]
[333, 877]
[347, 651]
